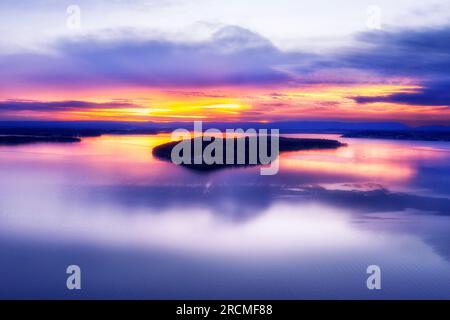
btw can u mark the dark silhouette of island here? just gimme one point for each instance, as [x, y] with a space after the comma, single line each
[73, 131]
[164, 151]
[17, 140]
[16, 133]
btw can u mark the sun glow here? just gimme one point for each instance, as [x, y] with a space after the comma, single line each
[237, 104]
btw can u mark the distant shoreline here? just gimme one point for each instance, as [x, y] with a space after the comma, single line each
[74, 131]
[409, 135]
[19, 140]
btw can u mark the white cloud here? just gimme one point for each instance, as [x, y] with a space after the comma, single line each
[290, 24]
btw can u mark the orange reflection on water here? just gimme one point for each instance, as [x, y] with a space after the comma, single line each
[127, 159]
[107, 159]
[379, 160]
[348, 167]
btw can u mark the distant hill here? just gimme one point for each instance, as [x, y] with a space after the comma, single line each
[423, 135]
[73, 128]
[80, 129]
[294, 126]
[17, 140]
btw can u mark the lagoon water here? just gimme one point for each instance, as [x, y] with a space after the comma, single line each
[142, 228]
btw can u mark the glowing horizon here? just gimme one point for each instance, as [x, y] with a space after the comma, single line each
[229, 105]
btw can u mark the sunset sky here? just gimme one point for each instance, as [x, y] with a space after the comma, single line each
[184, 60]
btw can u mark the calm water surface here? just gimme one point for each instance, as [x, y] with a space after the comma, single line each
[142, 228]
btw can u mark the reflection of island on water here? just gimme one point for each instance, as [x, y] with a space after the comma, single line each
[244, 203]
[247, 200]
[252, 151]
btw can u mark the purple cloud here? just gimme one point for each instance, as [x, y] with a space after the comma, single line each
[433, 94]
[421, 55]
[236, 56]
[233, 56]
[33, 105]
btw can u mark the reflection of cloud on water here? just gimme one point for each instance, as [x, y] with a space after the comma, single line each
[244, 200]
[280, 227]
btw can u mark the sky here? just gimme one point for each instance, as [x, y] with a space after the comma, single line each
[184, 60]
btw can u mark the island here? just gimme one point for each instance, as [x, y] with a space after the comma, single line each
[230, 157]
[36, 132]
